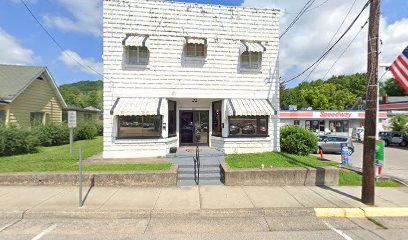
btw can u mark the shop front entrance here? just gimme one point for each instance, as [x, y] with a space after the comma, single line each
[194, 128]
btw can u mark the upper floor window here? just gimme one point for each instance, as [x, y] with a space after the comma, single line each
[251, 60]
[137, 55]
[251, 55]
[195, 47]
[136, 50]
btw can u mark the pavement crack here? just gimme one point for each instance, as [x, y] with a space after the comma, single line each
[293, 197]
[15, 222]
[246, 194]
[151, 212]
[109, 198]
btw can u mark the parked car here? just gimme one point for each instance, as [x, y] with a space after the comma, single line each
[234, 129]
[248, 129]
[331, 144]
[399, 138]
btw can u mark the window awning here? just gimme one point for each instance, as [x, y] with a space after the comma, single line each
[137, 106]
[135, 41]
[191, 40]
[251, 47]
[249, 107]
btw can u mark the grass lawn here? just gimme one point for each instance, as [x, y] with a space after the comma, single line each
[57, 159]
[274, 159]
[349, 178]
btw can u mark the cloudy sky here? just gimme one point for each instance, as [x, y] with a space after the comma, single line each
[77, 26]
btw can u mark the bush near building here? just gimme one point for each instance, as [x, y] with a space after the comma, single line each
[296, 140]
[85, 130]
[399, 123]
[52, 134]
[14, 140]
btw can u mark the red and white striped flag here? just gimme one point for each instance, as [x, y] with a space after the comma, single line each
[400, 69]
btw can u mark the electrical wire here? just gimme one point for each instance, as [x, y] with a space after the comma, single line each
[307, 10]
[331, 40]
[56, 42]
[345, 50]
[334, 44]
[302, 11]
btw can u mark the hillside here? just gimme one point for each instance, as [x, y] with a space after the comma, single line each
[83, 93]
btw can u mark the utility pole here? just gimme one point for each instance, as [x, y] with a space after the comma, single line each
[370, 123]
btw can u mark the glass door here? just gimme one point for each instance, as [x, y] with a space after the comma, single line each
[194, 127]
[201, 127]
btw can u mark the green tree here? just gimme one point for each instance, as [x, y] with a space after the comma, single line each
[392, 88]
[399, 123]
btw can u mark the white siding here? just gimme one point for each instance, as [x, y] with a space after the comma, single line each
[169, 74]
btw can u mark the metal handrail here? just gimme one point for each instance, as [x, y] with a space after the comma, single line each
[197, 165]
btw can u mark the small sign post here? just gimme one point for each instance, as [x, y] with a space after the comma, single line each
[344, 154]
[72, 123]
[379, 156]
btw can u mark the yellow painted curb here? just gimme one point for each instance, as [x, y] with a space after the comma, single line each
[385, 212]
[362, 212]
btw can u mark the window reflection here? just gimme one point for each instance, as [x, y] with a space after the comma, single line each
[139, 126]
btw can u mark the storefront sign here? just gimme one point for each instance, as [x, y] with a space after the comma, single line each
[335, 114]
[344, 154]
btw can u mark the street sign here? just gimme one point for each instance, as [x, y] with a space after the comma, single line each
[72, 123]
[344, 153]
[72, 117]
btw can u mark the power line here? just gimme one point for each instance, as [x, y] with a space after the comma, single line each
[302, 11]
[331, 48]
[331, 40]
[56, 43]
[307, 10]
[345, 50]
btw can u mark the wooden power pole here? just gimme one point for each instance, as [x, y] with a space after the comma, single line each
[370, 123]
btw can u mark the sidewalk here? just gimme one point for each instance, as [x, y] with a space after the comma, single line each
[123, 202]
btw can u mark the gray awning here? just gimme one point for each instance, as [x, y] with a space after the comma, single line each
[135, 40]
[137, 106]
[249, 107]
[251, 47]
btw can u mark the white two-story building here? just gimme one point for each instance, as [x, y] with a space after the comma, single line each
[178, 74]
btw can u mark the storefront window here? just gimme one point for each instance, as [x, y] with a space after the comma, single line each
[315, 125]
[296, 122]
[172, 118]
[216, 119]
[339, 126]
[139, 126]
[248, 126]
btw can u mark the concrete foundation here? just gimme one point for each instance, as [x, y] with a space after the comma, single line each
[328, 176]
[143, 178]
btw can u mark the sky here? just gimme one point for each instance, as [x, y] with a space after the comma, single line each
[76, 25]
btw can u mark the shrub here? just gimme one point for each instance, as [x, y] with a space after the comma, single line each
[14, 140]
[399, 123]
[296, 140]
[85, 130]
[99, 127]
[52, 134]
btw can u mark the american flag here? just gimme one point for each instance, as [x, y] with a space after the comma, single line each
[400, 69]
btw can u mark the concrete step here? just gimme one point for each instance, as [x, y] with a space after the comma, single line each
[202, 182]
[208, 176]
[202, 170]
[202, 165]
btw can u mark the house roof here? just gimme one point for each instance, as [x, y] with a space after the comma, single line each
[14, 79]
[78, 109]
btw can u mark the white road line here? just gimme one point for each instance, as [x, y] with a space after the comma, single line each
[341, 233]
[45, 232]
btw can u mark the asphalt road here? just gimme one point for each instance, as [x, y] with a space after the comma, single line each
[194, 227]
[395, 164]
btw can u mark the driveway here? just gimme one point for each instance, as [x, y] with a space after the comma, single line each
[395, 164]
